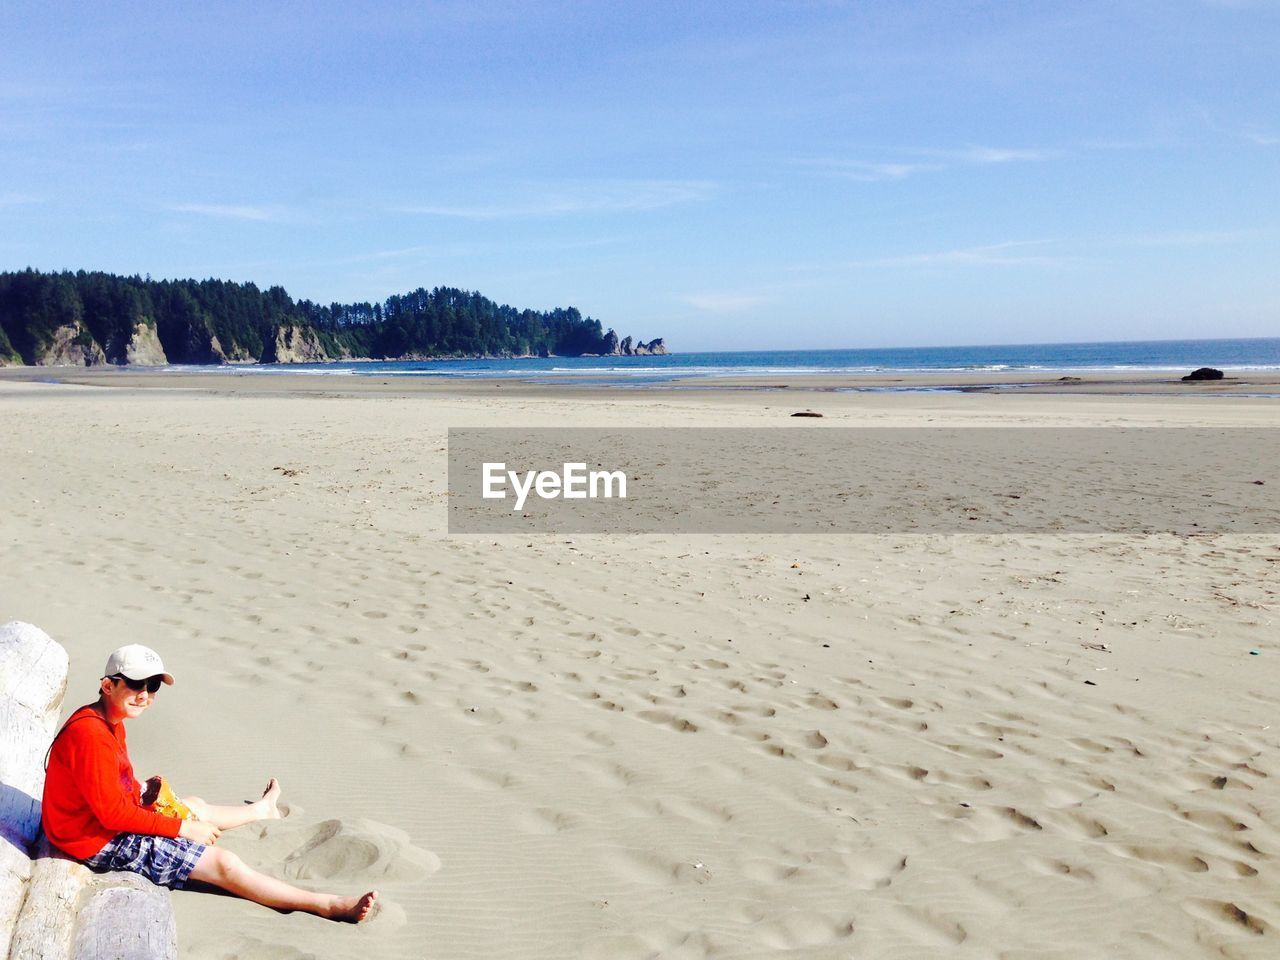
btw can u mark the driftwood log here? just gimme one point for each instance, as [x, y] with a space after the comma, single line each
[51, 907]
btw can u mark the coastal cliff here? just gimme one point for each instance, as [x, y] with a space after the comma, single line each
[83, 319]
[69, 345]
[293, 344]
[136, 346]
[143, 348]
[8, 356]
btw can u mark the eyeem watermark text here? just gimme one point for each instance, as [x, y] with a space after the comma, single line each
[886, 480]
[573, 482]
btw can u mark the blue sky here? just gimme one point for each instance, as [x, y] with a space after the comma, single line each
[745, 175]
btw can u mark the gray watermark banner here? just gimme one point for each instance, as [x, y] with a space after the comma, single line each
[820, 479]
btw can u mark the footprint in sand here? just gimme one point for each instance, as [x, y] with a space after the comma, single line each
[650, 943]
[800, 929]
[354, 850]
[665, 719]
[1228, 917]
[929, 927]
[685, 808]
[544, 820]
[649, 867]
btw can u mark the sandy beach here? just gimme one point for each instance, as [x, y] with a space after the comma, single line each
[615, 748]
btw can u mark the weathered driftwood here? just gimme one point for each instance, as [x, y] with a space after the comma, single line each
[51, 907]
[125, 917]
[33, 678]
[15, 871]
[46, 925]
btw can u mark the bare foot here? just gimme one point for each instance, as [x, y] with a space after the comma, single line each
[268, 807]
[352, 909]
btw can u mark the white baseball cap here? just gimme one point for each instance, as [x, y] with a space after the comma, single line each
[137, 663]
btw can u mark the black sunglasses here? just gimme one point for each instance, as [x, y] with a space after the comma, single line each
[151, 684]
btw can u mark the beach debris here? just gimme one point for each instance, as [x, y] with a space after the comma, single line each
[1097, 646]
[806, 413]
[1255, 653]
[1259, 483]
[805, 597]
[1069, 379]
[1203, 373]
[290, 472]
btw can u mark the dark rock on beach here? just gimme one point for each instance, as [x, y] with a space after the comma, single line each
[1203, 373]
[806, 413]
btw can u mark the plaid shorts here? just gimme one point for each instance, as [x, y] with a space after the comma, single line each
[165, 861]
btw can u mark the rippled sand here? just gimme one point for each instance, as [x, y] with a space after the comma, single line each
[677, 747]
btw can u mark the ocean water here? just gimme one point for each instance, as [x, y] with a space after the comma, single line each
[1173, 356]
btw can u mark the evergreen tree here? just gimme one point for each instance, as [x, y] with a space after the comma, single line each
[190, 315]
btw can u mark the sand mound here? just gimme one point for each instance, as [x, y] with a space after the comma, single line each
[356, 850]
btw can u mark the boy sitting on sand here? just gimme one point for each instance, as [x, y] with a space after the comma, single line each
[93, 806]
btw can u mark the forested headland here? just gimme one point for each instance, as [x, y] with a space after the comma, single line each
[87, 318]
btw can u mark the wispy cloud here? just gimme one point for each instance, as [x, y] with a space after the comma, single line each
[868, 172]
[1260, 138]
[18, 199]
[230, 212]
[411, 253]
[724, 302]
[578, 197]
[985, 155]
[1252, 132]
[993, 254]
[1188, 238]
[1124, 143]
[444, 250]
[922, 160]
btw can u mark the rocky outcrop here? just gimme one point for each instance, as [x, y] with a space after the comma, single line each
[215, 351]
[1203, 373]
[654, 348]
[141, 348]
[294, 345]
[71, 345]
[144, 348]
[628, 347]
[8, 355]
[237, 355]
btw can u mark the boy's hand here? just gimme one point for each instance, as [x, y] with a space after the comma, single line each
[199, 831]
